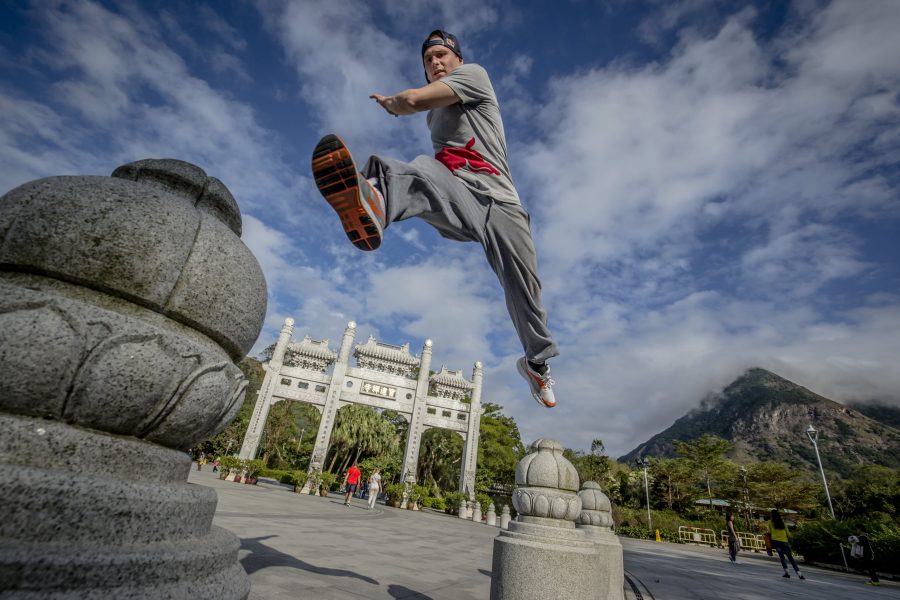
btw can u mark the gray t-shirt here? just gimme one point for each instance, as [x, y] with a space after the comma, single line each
[468, 136]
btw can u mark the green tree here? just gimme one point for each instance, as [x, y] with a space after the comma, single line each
[499, 449]
[359, 432]
[289, 435]
[440, 459]
[675, 481]
[595, 466]
[776, 485]
[706, 458]
[871, 491]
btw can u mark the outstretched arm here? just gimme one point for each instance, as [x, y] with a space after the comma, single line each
[408, 102]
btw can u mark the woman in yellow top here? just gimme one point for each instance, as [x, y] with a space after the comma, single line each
[779, 533]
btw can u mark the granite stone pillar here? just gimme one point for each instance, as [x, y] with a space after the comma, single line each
[476, 512]
[125, 302]
[504, 517]
[491, 515]
[596, 521]
[542, 555]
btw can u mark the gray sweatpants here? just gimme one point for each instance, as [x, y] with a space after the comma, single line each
[426, 189]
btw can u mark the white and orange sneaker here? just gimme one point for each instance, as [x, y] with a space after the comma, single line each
[357, 202]
[539, 382]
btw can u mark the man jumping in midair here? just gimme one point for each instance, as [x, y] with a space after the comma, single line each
[465, 191]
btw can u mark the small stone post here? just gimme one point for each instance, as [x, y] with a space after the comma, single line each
[492, 515]
[408, 482]
[125, 302]
[463, 509]
[476, 512]
[596, 521]
[504, 517]
[543, 555]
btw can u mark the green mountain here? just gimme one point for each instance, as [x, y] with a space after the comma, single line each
[883, 413]
[765, 417]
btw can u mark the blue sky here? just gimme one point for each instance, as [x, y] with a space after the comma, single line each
[713, 185]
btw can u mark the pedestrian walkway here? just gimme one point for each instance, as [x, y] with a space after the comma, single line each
[299, 546]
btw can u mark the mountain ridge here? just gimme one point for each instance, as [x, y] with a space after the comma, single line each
[765, 416]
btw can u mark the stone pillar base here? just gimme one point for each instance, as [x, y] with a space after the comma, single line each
[611, 565]
[94, 515]
[540, 558]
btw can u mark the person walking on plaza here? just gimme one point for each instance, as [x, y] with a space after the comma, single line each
[734, 542]
[862, 550]
[374, 487]
[779, 533]
[465, 191]
[351, 481]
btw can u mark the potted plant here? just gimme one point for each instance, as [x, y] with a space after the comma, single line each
[416, 494]
[451, 502]
[327, 481]
[228, 465]
[252, 469]
[393, 494]
[298, 480]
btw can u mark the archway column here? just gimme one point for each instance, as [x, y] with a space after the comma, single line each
[417, 418]
[470, 450]
[332, 402]
[264, 398]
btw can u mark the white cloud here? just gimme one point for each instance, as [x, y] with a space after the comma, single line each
[341, 57]
[452, 301]
[693, 216]
[643, 168]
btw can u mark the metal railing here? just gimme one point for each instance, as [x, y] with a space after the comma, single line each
[697, 535]
[749, 541]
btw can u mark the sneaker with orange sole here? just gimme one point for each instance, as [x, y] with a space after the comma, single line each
[540, 383]
[356, 201]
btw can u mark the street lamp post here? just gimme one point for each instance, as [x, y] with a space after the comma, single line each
[814, 438]
[645, 463]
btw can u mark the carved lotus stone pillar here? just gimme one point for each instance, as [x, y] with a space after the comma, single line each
[596, 521]
[125, 302]
[542, 554]
[491, 515]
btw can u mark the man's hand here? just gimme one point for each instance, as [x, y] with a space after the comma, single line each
[384, 102]
[409, 102]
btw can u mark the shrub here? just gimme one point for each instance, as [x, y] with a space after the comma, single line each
[278, 474]
[634, 531]
[820, 542]
[229, 464]
[294, 478]
[667, 521]
[436, 503]
[451, 502]
[253, 468]
[417, 493]
[484, 500]
[393, 492]
[328, 480]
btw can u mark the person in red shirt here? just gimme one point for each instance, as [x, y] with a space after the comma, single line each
[351, 481]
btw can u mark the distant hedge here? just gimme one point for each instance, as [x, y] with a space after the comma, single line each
[820, 542]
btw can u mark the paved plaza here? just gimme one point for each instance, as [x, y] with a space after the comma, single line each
[299, 546]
